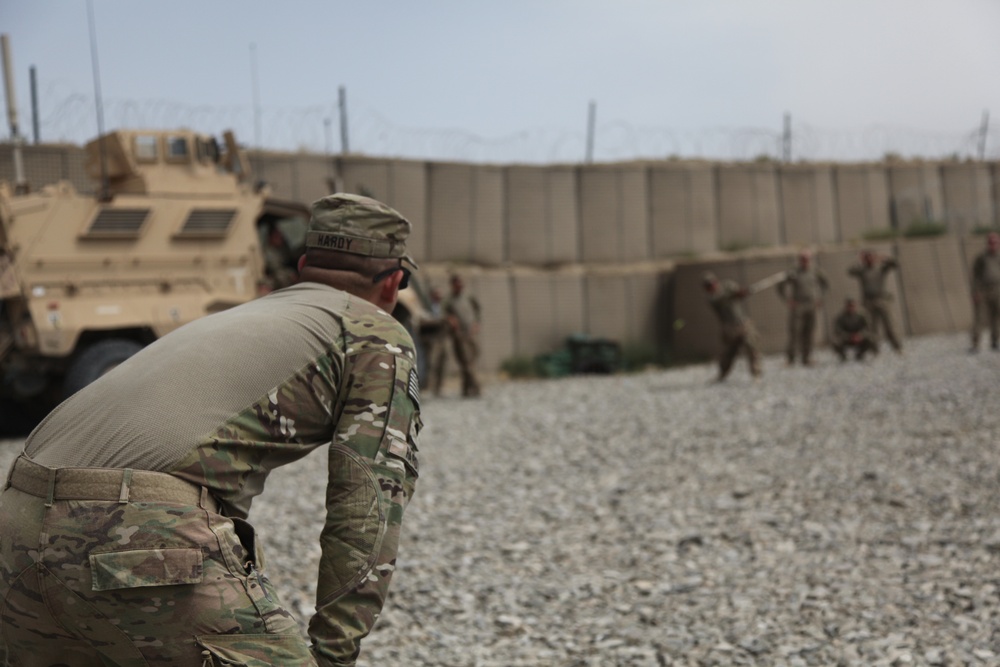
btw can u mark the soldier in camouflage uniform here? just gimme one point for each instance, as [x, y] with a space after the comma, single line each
[851, 330]
[986, 292]
[738, 332]
[875, 298]
[123, 532]
[802, 289]
[280, 263]
[461, 311]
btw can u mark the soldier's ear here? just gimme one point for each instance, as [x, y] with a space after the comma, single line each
[389, 288]
[302, 262]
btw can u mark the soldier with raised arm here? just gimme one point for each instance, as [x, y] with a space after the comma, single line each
[124, 537]
[738, 332]
[871, 274]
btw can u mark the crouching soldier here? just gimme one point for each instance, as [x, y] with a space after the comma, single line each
[851, 330]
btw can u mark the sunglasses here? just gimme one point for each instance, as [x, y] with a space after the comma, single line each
[382, 275]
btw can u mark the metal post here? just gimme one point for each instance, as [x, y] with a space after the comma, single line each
[344, 146]
[983, 129]
[591, 120]
[786, 139]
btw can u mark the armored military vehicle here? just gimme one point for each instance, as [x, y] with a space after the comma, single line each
[175, 231]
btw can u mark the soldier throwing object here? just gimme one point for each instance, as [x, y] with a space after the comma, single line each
[875, 298]
[986, 292]
[802, 289]
[123, 532]
[851, 330]
[738, 332]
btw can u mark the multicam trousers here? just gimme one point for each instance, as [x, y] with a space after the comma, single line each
[987, 314]
[881, 320]
[121, 568]
[801, 328]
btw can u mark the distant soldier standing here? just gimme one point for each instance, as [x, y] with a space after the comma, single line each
[802, 289]
[851, 330]
[738, 332]
[461, 310]
[875, 298]
[986, 292]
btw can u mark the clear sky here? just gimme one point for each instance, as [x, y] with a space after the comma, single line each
[512, 80]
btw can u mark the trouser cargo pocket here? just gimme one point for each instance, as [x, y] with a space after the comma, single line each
[255, 651]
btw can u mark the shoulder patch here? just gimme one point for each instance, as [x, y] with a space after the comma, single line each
[413, 388]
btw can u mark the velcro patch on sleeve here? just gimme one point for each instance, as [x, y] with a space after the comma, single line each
[413, 387]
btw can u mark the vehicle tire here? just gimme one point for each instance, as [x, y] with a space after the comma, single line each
[97, 360]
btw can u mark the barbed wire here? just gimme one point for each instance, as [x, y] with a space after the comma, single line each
[72, 118]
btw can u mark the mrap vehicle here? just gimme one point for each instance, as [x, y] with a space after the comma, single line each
[175, 231]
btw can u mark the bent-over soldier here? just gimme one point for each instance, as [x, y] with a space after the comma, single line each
[851, 330]
[986, 292]
[738, 331]
[123, 526]
[802, 289]
[871, 274]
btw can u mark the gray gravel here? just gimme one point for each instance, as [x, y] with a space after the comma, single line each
[846, 514]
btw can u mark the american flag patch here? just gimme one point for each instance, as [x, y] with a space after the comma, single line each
[413, 387]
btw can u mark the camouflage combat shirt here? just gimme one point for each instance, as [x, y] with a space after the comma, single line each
[847, 324]
[872, 278]
[986, 272]
[229, 397]
[727, 304]
[803, 286]
[465, 308]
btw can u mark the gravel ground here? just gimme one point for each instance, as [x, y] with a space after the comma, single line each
[846, 514]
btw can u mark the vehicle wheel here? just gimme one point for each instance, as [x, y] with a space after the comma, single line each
[97, 360]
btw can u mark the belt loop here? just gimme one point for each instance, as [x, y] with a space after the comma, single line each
[52, 487]
[126, 486]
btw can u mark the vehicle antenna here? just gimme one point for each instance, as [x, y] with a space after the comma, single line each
[15, 135]
[103, 195]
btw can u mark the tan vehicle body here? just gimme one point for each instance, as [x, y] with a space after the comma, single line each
[174, 233]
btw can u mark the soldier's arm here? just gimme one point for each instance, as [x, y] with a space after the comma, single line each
[783, 287]
[373, 471]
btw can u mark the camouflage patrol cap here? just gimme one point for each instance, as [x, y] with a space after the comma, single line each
[359, 225]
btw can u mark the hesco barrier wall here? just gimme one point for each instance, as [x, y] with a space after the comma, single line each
[617, 213]
[618, 250]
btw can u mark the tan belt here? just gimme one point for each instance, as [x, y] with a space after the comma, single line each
[115, 484]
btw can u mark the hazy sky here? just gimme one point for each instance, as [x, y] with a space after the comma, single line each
[511, 80]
